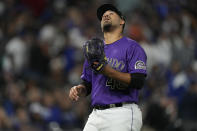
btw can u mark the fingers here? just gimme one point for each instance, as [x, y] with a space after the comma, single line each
[74, 94]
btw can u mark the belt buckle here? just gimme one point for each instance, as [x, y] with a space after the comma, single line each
[112, 105]
[99, 107]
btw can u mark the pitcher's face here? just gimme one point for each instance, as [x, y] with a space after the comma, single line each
[110, 19]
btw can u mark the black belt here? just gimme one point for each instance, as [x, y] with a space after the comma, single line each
[103, 107]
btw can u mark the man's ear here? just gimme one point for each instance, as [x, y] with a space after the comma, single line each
[122, 22]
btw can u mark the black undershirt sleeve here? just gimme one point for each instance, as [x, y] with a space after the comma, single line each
[137, 80]
[88, 86]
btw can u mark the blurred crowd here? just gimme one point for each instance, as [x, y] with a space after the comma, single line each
[41, 58]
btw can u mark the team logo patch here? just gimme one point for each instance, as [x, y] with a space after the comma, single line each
[140, 65]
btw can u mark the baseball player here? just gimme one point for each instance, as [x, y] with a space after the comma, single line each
[113, 73]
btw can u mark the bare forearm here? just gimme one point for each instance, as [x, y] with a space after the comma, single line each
[120, 76]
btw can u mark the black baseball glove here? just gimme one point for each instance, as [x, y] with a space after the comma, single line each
[94, 52]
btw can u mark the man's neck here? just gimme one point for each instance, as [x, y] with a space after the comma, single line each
[111, 37]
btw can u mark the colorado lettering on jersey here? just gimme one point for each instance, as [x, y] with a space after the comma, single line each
[114, 63]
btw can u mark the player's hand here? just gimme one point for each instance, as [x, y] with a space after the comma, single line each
[76, 92]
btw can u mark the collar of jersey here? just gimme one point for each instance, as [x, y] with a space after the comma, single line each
[114, 41]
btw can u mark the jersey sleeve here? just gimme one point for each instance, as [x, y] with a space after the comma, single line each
[87, 72]
[136, 60]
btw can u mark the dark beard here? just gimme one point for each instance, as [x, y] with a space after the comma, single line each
[107, 28]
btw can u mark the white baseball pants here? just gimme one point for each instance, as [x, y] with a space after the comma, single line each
[125, 118]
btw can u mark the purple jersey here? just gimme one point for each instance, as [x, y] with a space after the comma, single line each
[124, 55]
